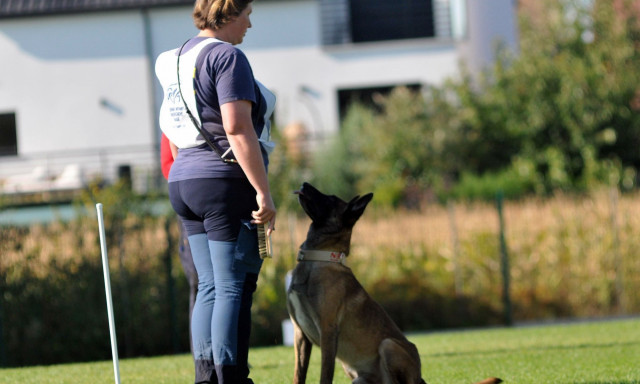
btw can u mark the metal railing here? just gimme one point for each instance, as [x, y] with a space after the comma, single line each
[139, 163]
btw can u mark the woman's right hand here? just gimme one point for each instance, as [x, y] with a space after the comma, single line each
[266, 212]
[236, 119]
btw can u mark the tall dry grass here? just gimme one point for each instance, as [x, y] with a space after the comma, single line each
[569, 257]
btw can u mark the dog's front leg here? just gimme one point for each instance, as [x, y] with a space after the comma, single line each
[329, 348]
[302, 348]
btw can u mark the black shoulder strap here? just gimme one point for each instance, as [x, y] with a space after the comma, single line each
[214, 146]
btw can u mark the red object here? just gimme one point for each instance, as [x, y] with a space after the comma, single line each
[166, 157]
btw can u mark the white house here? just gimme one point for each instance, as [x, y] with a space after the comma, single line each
[77, 88]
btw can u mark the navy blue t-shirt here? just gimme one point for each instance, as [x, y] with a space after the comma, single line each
[223, 74]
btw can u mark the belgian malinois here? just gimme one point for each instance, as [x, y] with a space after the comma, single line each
[329, 307]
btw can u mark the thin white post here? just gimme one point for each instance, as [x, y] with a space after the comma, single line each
[107, 288]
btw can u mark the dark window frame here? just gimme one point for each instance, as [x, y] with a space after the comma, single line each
[8, 134]
[366, 21]
[366, 96]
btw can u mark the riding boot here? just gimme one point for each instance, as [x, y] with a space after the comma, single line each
[205, 372]
[228, 374]
[244, 328]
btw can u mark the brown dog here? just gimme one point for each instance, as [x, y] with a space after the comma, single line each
[330, 308]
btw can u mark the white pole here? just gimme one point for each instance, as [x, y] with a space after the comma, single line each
[107, 288]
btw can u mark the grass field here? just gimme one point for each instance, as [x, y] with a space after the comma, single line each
[587, 352]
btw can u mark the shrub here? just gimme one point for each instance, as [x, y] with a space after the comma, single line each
[564, 110]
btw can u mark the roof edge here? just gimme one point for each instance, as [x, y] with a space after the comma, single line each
[13, 9]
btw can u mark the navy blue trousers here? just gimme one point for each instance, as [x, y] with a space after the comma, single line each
[224, 245]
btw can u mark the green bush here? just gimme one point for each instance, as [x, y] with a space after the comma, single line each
[511, 183]
[338, 167]
[383, 153]
[286, 174]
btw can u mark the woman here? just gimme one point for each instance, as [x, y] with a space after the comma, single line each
[219, 188]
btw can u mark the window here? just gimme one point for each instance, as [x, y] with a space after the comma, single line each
[366, 96]
[8, 135]
[356, 21]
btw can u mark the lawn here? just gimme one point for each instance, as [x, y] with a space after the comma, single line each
[596, 352]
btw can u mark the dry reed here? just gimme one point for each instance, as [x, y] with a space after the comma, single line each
[579, 252]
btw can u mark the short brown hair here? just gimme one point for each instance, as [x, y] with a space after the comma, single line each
[214, 14]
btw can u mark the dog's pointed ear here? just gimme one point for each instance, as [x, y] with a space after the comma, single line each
[355, 208]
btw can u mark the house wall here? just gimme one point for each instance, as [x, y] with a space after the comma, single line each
[83, 89]
[79, 87]
[491, 24]
[76, 82]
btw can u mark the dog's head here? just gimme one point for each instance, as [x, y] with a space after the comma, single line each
[332, 218]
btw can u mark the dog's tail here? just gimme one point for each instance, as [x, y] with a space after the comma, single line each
[490, 380]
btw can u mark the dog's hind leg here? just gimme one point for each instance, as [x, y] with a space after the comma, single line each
[302, 348]
[398, 364]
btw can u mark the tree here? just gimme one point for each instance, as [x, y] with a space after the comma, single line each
[563, 114]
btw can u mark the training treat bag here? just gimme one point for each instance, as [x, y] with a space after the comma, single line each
[265, 137]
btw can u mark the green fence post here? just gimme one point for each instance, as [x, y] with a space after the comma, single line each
[3, 355]
[504, 264]
[171, 287]
[618, 265]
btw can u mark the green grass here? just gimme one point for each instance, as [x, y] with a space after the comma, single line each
[590, 353]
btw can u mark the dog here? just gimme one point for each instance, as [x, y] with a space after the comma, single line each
[329, 308]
